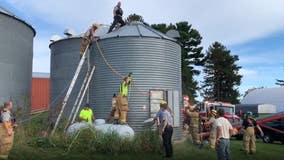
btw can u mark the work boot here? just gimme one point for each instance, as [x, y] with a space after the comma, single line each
[115, 122]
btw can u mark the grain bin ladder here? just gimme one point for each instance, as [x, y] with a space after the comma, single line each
[71, 86]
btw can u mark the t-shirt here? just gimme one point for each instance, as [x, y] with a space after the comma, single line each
[249, 123]
[167, 116]
[225, 126]
[86, 114]
[159, 116]
[6, 116]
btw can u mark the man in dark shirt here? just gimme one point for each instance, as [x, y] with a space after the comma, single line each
[249, 136]
[117, 13]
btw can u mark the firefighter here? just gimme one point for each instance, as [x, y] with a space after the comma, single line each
[114, 110]
[249, 125]
[117, 13]
[88, 38]
[193, 115]
[212, 124]
[6, 131]
[122, 99]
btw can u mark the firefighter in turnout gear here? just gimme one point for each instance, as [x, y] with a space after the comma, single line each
[88, 38]
[249, 125]
[114, 110]
[193, 116]
[122, 103]
[6, 131]
[213, 128]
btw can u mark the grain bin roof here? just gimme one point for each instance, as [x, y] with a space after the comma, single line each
[136, 29]
[8, 13]
[266, 95]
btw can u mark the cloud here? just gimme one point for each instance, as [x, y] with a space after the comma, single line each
[230, 22]
[247, 72]
[41, 59]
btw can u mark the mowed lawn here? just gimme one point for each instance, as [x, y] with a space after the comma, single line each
[183, 150]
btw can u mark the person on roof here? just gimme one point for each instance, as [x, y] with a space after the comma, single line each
[88, 38]
[249, 125]
[117, 13]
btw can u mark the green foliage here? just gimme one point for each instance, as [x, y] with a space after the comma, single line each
[279, 82]
[190, 40]
[222, 76]
[134, 17]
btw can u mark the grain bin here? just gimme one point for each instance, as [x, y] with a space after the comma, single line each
[16, 55]
[64, 61]
[155, 61]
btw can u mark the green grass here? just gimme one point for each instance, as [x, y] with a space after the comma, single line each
[181, 151]
[95, 146]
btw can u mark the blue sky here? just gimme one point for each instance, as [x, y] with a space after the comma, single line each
[253, 29]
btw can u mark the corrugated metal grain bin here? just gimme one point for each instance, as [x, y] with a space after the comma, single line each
[64, 61]
[40, 92]
[155, 61]
[16, 54]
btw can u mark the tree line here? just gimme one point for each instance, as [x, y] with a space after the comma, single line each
[221, 73]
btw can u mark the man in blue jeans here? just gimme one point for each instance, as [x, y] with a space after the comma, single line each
[224, 133]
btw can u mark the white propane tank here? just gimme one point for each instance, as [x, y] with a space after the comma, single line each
[123, 131]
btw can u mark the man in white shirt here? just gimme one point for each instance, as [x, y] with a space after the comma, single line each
[224, 133]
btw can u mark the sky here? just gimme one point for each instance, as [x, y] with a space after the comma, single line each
[253, 30]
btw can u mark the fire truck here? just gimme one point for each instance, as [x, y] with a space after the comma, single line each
[205, 108]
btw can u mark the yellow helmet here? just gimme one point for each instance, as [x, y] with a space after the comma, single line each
[214, 112]
[163, 102]
[96, 25]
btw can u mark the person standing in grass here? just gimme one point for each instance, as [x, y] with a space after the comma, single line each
[249, 125]
[212, 124]
[167, 129]
[6, 130]
[224, 133]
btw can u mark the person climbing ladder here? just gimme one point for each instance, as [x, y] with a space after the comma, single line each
[88, 38]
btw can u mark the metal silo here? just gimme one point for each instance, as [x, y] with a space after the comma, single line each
[155, 61]
[16, 55]
[64, 61]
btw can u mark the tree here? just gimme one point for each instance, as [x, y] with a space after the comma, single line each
[222, 76]
[134, 17]
[192, 55]
[279, 82]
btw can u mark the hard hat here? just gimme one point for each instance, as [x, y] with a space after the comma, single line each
[249, 113]
[214, 112]
[163, 102]
[96, 25]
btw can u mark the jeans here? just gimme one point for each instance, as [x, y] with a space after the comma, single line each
[117, 19]
[223, 149]
[167, 141]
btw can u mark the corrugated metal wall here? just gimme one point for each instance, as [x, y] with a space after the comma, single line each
[64, 61]
[16, 54]
[40, 94]
[155, 63]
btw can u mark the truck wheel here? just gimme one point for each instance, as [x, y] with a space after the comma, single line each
[267, 139]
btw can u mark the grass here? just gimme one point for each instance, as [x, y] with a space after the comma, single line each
[93, 145]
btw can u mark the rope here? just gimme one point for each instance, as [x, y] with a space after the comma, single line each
[115, 71]
[106, 62]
